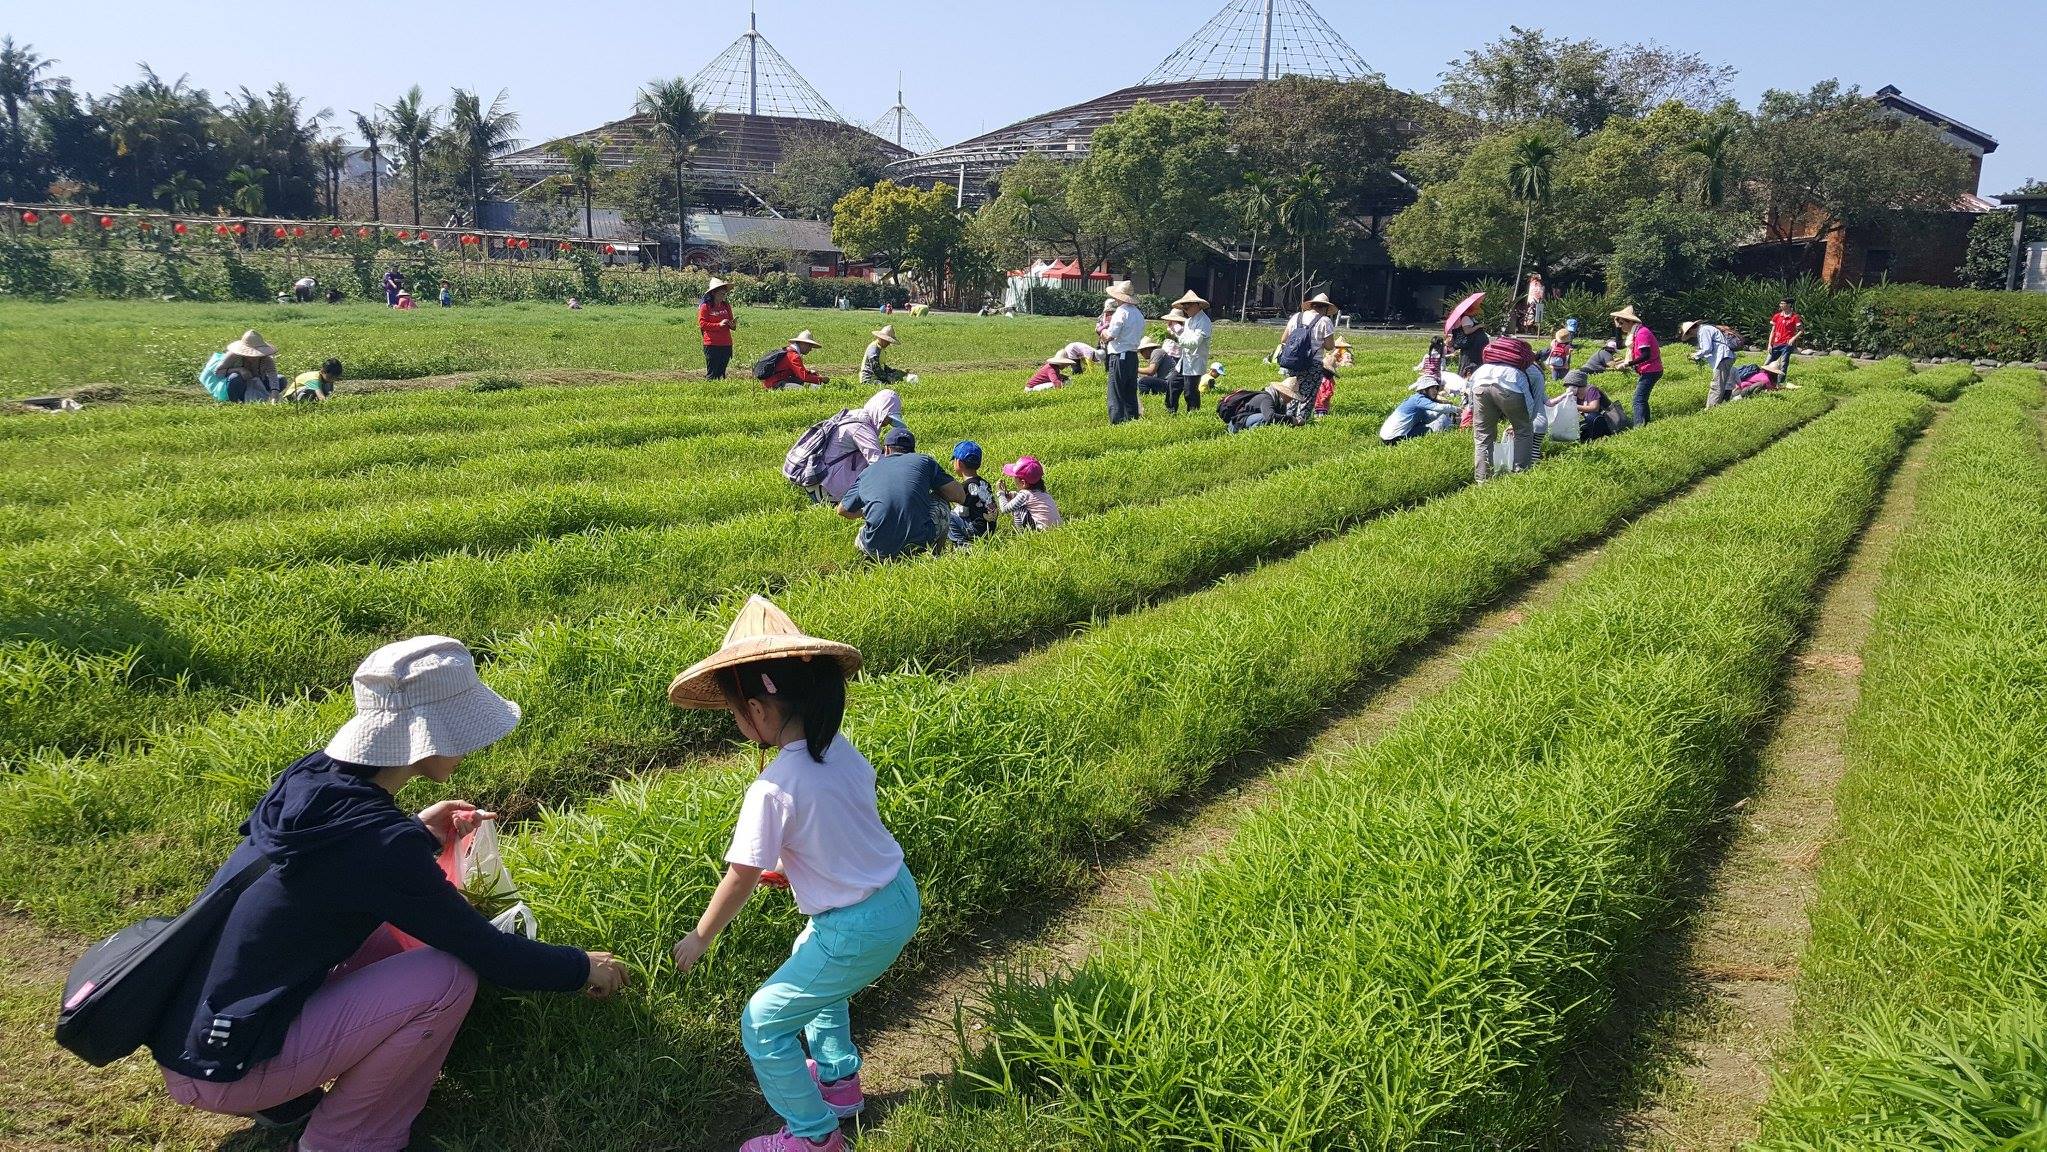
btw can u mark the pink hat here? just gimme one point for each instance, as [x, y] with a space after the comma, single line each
[1025, 471]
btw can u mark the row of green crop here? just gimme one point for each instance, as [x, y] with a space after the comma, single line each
[88, 674]
[602, 675]
[1001, 785]
[1922, 997]
[1402, 947]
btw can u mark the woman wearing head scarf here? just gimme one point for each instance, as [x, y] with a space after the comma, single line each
[716, 321]
[857, 442]
[347, 964]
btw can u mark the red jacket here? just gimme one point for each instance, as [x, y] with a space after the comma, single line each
[716, 335]
[791, 370]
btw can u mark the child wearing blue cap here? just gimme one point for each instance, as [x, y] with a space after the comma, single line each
[974, 517]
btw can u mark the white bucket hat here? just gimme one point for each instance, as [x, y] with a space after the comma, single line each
[418, 698]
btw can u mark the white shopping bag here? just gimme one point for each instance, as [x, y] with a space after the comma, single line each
[1563, 417]
[474, 864]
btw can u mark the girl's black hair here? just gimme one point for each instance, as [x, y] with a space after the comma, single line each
[814, 690]
[1436, 345]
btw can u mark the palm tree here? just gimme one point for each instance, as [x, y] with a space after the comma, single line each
[585, 159]
[1528, 181]
[332, 153]
[1304, 210]
[1258, 205]
[24, 76]
[475, 135]
[1715, 145]
[411, 125]
[680, 125]
[181, 192]
[372, 129]
[248, 185]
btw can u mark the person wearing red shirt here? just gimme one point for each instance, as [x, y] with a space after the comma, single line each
[715, 320]
[790, 368]
[1785, 329]
[1645, 358]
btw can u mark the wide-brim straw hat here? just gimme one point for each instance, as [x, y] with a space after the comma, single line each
[1341, 343]
[251, 344]
[1565, 336]
[1190, 298]
[1148, 345]
[1627, 314]
[1288, 388]
[1174, 317]
[1685, 330]
[1122, 292]
[806, 339]
[1776, 370]
[418, 698]
[1061, 361]
[1320, 300]
[715, 285]
[886, 334]
[760, 632]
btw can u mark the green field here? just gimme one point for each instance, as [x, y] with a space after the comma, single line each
[1402, 947]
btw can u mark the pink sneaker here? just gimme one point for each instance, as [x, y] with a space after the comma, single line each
[844, 1098]
[787, 1141]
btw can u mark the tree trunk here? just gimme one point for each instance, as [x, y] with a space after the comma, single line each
[1514, 305]
[681, 218]
[589, 229]
[376, 209]
[1250, 270]
[414, 162]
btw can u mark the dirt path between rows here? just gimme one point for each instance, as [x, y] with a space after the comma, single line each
[1687, 1064]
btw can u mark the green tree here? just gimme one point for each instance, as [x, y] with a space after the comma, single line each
[180, 193]
[1528, 184]
[24, 78]
[332, 153]
[901, 228]
[820, 165]
[371, 128]
[681, 125]
[1663, 249]
[1155, 174]
[247, 183]
[1304, 210]
[1256, 201]
[585, 160]
[1034, 213]
[1986, 263]
[475, 135]
[411, 123]
[1528, 76]
[1715, 148]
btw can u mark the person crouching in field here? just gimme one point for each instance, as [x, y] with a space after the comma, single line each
[811, 822]
[903, 500]
[1052, 374]
[975, 516]
[316, 385]
[310, 983]
[244, 373]
[1418, 415]
[874, 373]
[1029, 506]
[785, 368]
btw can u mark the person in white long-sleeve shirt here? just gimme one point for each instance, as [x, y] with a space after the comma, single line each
[1120, 337]
[1717, 350]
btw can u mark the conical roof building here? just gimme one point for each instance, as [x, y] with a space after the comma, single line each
[1244, 45]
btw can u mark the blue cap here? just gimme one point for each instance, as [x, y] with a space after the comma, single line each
[967, 452]
[900, 439]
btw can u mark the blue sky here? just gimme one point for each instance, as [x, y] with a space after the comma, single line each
[973, 66]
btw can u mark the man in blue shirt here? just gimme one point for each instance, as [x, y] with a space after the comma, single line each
[904, 500]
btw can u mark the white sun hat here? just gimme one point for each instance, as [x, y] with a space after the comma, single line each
[418, 698]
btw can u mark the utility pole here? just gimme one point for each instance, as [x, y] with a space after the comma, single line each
[1265, 44]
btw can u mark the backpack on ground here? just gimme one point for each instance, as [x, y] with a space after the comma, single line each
[769, 364]
[116, 993]
[213, 379]
[806, 464]
[1230, 407]
[1300, 353]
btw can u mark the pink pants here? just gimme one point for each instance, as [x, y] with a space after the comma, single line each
[378, 1032]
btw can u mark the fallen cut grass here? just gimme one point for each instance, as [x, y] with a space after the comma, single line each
[1401, 948]
[1000, 785]
[1922, 1009]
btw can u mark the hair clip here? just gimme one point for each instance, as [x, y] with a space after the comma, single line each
[768, 682]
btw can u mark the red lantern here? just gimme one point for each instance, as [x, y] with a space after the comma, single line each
[296, 233]
[30, 217]
[335, 232]
[145, 225]
[610, 250]
[179, 228]
[471, 240]
[565, 246]
[240, 229]
[106, 221]
[362, 233]
[220, 229]
[65, 219]
[404, 235]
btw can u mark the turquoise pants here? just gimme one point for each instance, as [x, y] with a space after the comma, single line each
[838, 954]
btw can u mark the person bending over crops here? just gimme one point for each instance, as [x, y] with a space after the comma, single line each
[1418, 414]
[316, 385]
[855, 443]
[872, 370]
[244, 373]
[1505, 387]
[784, 367]
[353, 959]
[904, 501]
[810, 822]
[1052, 374]
[1029, 505]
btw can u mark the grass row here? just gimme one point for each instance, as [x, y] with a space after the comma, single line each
[999, 785]
[1400, 949]
[1922, 1007]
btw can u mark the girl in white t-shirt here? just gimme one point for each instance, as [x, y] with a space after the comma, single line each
[810, 821]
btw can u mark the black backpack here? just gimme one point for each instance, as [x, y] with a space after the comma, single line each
[1232, 406]
[769, 364]
[1301, 352]
[117, 992]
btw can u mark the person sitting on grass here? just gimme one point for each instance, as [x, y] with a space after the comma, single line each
[1029, 506]
[973, 517]
[244, 373]
[1157, 363]
[810, 822]
[789, 370]
[1597, 414]
[352, 960]
[1764, 378]
[316, 385]
[872, 371]
[904, 501]
[1052, 374]
[1418, 414]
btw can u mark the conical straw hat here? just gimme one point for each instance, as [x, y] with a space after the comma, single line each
[761, 632]
[1122, 292]
[886, 334]
[1191, 297]
[806, 339]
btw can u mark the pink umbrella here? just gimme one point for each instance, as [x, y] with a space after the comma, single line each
[1458, 313]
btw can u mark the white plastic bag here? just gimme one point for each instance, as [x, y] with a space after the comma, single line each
[1563, 417]
[479, 870]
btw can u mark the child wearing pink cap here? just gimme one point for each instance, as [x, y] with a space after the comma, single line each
[1030, 506]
